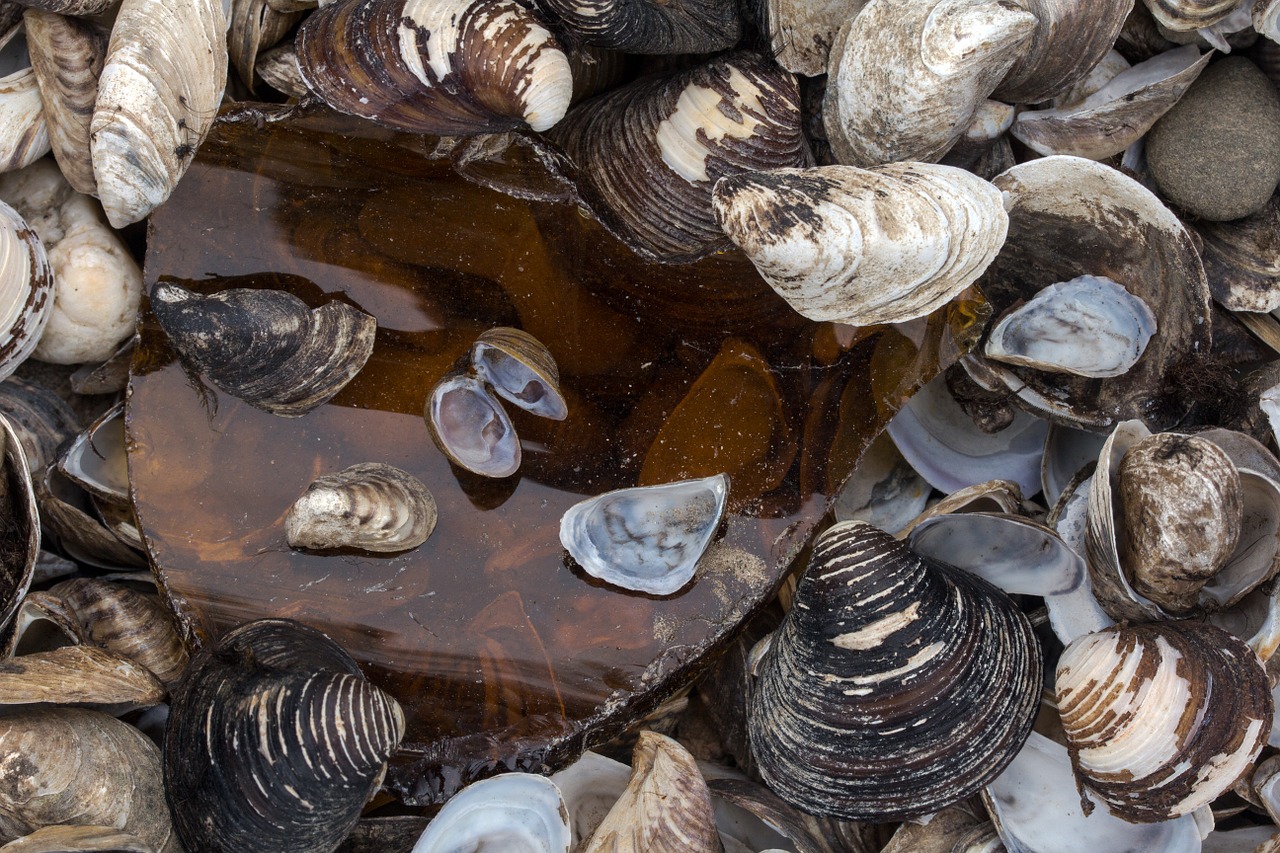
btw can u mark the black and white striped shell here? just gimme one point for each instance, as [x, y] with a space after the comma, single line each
[266, 347]
[275, 742]
[651, 26]
[371, 506]
[436, 66]
[895, 685]
[1161, 718]
[650, 152]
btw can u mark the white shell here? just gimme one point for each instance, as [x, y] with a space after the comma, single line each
[24, 136]
[26, 290]
[881, 245]
[906, 77]
[512, 812]
[1089, 326]
[648, 538]
[163, 79]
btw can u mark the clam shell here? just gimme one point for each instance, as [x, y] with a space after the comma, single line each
[1071, 37]
[67, 56]
[255, 26]
[267, 347]
[517, 812]
[26, 290]
[642, 26]
[24, 134]
[650, 152]
[371, 506]
[275, 742]
[647, 538]
[905, 78]
[1162, 718]
[96, 459]
[161, 84]
[856, 246]
[801, 31]
[470, 427]
[1182, 16]
[453, 67]
[1240, 260]
[39, 418]
[20, 542]
[895, 686]
[278, 68]
[521, 370]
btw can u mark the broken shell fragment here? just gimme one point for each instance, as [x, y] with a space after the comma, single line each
[856, 246]
[1162, 718]
[372, 506]
[470, 427]
[161, 84]
[515, 812]
[275, 741]
[1089, 326]
[520, 369]
[640, 26]
[648, 538]
[650, 152]
[267, 347]
[895, 686]
[448, 68]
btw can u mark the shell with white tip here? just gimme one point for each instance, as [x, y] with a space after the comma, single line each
[371, 506]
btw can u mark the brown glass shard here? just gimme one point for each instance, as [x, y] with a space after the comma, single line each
[502, 655]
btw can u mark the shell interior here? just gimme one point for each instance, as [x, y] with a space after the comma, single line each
[521, 370]
[471, 427]
[516, 812]
[648, 538]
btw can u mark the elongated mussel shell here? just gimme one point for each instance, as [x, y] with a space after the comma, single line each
[371, 506]
[650, 152]
[436, 66]
[275, 742]
[26, 290]
[266, 346]
[1162, 718]
[520, 369]
[648, 26]
[895, 686]
[864, 246]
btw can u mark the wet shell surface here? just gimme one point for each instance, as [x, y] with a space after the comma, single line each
[161, 83]
[1162, 718]
[650, 152]
[454, 67]
[521, 370]
[26, 290]
[1089, 326]
[648, 538]
[512, 812]
[470, 427]
[864, 246]
[275, 742]
[895, 686]
[371, 506]
[267, 347]
[648, 26]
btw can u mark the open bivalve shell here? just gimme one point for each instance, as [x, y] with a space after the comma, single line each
[512, 812]
[521, 370]
[471, 428]
[275, 742]
[26, 290]
[864, 246]
[371, 506]
[647, 538]
[895, 686]
[650, 152]
[267, 347]
[449, 68]
[1070, 217]
[1162, 718]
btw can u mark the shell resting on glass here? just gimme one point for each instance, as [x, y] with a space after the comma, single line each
[371, 506]
[470, 427]
[895, 686]
[521, 370]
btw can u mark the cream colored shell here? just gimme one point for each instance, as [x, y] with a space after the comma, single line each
[24, 135]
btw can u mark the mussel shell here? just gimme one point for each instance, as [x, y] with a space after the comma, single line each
[371, 506]
[26, 290]
[267, 347]
[275, 742]
[895, 686]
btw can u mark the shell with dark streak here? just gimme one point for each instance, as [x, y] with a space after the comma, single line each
[521, 370]
[275, 742]
[895, 685]
[652, 26]
[26, 290]
[650, 152]
[266, 346]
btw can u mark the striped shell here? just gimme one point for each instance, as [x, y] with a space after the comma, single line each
[895, 686]
[267, 347]
[371, 506]
[275, 742]
[26, 290]
[646, 26]
[1162, 718]
[521, 370]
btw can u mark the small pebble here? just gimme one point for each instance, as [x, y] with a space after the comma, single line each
[1216, 154]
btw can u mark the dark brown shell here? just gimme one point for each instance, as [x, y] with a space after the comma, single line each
[1071, 37]
[652, 26]
[1242, 259]
[650, 152]
[275, 742]
[895, 686]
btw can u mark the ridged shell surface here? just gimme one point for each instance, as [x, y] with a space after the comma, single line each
[894, 686]
[906, 77]
[444, 66]
[1071, 37]
[651, 26]
[26, 290]
[650, 152]
[1162, 718]
[275, 742]
[1187, 15]
[161, 84]
[24, 134]
[371, 506]
[521, 370]
[862, 246]
[266, 346]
